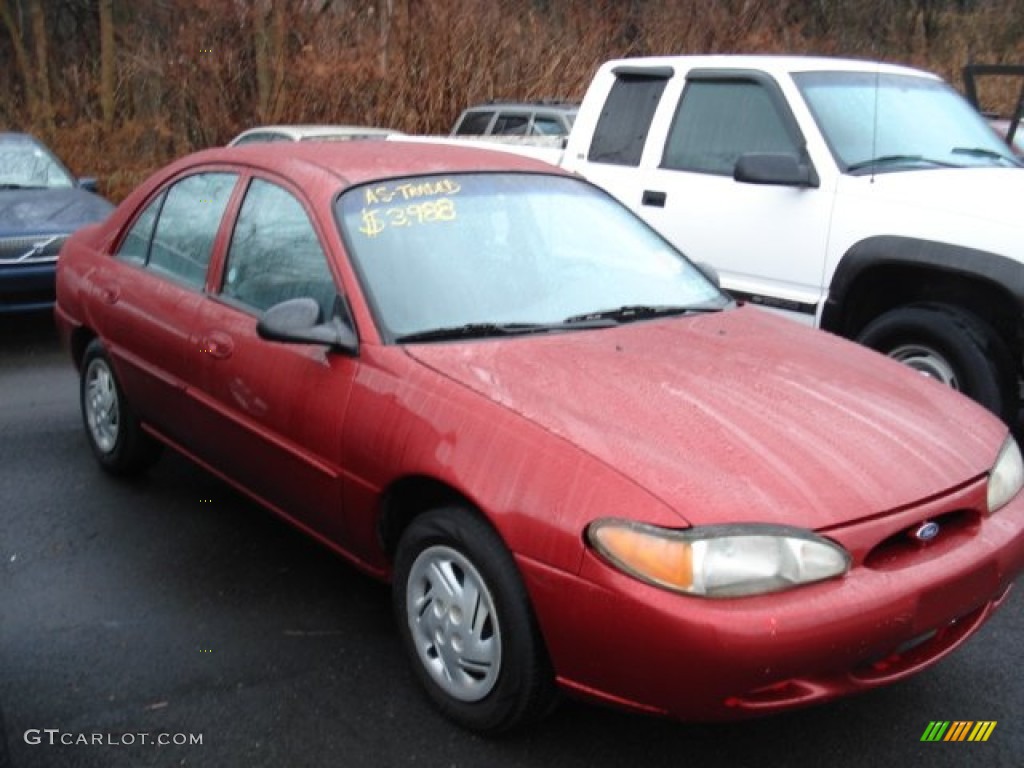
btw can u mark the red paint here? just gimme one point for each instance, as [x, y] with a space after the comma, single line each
[730, 417]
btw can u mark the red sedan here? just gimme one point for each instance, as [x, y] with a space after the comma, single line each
[580, 464]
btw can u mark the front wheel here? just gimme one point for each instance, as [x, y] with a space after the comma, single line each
[467, 624]
[115, 435]
[952, 346]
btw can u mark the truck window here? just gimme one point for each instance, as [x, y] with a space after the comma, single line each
[548, 126]
[474, 123]
[622, 128]
[720, 120]
[511, 124]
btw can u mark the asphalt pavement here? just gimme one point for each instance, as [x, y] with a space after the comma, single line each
[170, 609]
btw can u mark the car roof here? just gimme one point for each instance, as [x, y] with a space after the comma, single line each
[533, 106]
[352, 163]
[776, 65]
[13, 137]
[307, 131]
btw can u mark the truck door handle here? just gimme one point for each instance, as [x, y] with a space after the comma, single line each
[650, 197]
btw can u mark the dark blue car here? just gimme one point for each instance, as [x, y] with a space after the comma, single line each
[41, 203]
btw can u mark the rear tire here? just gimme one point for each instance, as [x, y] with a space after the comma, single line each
[467, 624]
[114, 433]
[952, 346]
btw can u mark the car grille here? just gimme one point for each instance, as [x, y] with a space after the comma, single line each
[30, 250]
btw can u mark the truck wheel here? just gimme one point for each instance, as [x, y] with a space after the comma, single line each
[952, 346]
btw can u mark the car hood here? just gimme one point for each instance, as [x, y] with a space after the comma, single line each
[43, 211]
[737, 416]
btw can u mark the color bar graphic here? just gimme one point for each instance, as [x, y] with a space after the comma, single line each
[958, 730]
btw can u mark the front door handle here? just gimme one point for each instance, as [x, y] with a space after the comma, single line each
[652, 197]
[217, 344]
[109, 294]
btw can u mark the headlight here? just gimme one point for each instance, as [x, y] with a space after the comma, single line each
[719, 560]
[1006, 477]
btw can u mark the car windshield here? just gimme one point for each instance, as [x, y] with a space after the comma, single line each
[877, 122]
[24, 164]
[511, 250]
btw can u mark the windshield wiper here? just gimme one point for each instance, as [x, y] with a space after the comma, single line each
[484, 330]
[632, 312]
[12, 185]
[983, 152]
[897, 160]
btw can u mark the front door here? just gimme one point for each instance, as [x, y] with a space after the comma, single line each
[273, 411]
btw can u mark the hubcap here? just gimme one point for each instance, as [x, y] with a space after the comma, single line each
[454, 624]
[928, 362]
[101, 407]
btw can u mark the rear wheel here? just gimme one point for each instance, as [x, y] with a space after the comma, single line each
[467, 624]
[115, 435]
[952, 346]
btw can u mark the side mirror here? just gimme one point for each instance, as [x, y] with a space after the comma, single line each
[778, 169]
[88, 183]
[297, 321]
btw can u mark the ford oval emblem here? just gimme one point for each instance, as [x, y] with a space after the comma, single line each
[927, 531]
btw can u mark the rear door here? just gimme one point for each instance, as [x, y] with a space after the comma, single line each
[150, 290]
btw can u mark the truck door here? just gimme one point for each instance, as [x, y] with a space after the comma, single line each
[767, 240]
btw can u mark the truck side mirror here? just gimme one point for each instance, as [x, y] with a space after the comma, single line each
[778, 169]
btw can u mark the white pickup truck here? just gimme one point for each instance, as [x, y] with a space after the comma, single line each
[867, 199]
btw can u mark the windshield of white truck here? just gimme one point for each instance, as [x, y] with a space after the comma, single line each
[878, 123]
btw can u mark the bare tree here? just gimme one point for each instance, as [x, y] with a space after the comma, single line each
[106, 11]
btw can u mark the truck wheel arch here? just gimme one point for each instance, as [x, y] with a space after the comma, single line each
[945, 306]
[881, 273]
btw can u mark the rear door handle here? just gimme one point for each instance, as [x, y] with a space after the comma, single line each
[217, 344]
[651, 197]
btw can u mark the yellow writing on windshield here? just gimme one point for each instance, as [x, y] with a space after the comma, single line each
[389, 193]
[376, 220]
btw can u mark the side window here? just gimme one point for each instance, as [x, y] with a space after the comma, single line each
[261, 138]
[135, 246]
[474, 123]
[622, 128]
[510, 124]
[720, 120]
[275, 253]
[188, 225]
[547, 126]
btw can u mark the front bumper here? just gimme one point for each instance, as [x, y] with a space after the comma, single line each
[27, 287]
[618, 640]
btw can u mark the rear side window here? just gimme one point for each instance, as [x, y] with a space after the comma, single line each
[135, 246]
[717, 121]
[474, 123]
[261, 138]
[548, 126]
[187, 226]
[625, 120]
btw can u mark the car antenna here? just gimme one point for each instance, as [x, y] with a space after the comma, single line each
[874, 122]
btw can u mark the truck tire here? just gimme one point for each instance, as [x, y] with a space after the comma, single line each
[953, 346]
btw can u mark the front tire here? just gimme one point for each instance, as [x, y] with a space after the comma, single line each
[952, 346]
[467, 625]
[114, 433]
